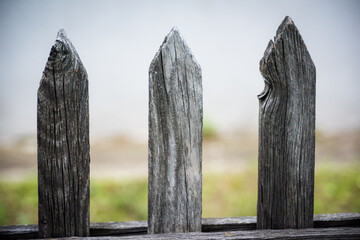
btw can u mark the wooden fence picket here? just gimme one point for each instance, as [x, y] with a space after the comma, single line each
[63, 144]
[175, 139]
[286, 133]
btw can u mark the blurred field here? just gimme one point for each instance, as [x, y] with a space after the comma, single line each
[224, 195]
[119, 178]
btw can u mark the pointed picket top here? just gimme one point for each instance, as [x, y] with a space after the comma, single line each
[62, 37]
[285, 23]
[175, 139]
[172, 40]
[285, 31]
[64, 55]
[63, 144]
[286, 132]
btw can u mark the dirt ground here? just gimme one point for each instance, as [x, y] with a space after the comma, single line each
[120, 157]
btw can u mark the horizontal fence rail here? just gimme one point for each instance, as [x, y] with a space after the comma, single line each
[344, 222]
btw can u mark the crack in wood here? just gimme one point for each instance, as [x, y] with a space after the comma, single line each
[62, 156]
[174, 150]
[286, 120]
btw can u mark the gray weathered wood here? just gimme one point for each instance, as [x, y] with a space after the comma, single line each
[308, 233]
[228, 224]
[249, 223]
[208, 225]
[286, 133]
[19, 232]
[118, 228]
[63, 144]
[337, 220]
[175, 139]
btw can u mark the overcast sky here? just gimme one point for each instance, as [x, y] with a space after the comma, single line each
[116, 41]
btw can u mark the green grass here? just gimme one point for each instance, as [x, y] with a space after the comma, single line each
[337, 189]
[209, 130]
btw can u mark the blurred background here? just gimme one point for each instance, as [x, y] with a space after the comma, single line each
[116, 41]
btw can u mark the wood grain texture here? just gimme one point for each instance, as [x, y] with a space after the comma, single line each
[286, 133]
[118, 228]
[208, 225]
[337, 220]
[63, 144]
[308, 233]
[19, 232]
[228, 224]
[175, 139]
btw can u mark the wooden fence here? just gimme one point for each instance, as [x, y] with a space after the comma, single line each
[286, 151]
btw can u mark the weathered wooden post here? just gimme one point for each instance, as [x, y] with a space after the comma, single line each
[286, 133]
[63, 144]
[175, 139]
